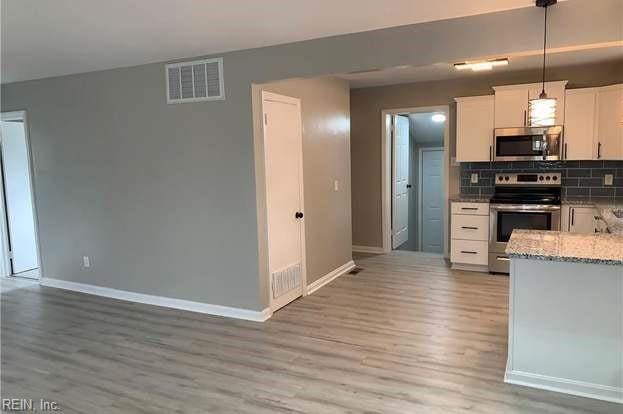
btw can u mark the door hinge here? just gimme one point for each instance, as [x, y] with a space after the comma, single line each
[9, 254]
[265, 119]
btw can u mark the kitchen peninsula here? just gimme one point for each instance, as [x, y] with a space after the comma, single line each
[566, 313]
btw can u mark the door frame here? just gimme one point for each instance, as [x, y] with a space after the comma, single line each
[386, 170]
[5, 266]
[266, 95]
[419, 191]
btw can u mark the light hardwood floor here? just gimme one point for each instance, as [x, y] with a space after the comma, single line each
[406, 335]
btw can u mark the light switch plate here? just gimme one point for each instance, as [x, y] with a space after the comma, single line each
[86, 262]
[608, 178]
[336, 185]
[474, 178]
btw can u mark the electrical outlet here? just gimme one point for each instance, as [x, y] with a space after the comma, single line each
[474, 178]
[336, 185]
[608, 178]
[86, 262]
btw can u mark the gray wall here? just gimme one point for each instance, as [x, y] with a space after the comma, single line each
[163, 196]
[366, 107]
[325, 107]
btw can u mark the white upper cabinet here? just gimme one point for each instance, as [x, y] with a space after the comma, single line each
[511, 107]
[474, 128]
[511, 102]
[592, 119]
[579, 131]
[609, 130]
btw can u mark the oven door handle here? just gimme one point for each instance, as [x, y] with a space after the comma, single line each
[534, 208]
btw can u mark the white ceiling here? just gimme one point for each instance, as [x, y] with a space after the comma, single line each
[58, 37]
[440, 71]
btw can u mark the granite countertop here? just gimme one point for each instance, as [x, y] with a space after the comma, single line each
[598, 248]
[467, 199]
[614, 223]
[577, 202]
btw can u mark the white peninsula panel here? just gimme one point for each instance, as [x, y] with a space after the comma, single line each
[566, 313]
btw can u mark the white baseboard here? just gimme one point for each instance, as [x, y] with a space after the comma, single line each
[368, 249]
[314, 286]
[566, 386]
[187, 305]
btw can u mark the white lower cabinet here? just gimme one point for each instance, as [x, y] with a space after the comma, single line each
[469, 246]
[578, 219]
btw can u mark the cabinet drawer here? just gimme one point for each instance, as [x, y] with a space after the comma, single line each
[477, 209]
[469, 252]
[469, 227]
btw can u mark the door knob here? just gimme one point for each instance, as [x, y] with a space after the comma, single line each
[298, 215]
[408, 185]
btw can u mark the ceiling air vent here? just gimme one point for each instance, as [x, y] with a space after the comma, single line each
[199, 80]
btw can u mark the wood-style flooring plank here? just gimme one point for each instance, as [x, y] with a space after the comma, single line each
[405, 335]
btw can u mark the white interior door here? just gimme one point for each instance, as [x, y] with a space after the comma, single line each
[19, 200]
[431, 200]
[400, 181]
[283, 151]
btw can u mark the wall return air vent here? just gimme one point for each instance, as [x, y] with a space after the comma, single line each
[196, 81]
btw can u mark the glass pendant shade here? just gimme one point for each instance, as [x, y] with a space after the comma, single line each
[542, 111]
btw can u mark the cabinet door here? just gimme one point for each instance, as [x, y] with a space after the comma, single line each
[579, 128]
[511, 107]
[610, 123]
[564, 217]
[474, 128]
[554, 90]
[581, 220]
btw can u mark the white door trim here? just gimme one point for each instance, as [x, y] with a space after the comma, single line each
[5, 268]
[419, 192]
[270, 96]
[386, 173]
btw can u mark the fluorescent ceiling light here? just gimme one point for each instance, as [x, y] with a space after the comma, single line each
[481, 65]
[438, 118]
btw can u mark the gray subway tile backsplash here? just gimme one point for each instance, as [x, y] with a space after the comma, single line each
[581, 179]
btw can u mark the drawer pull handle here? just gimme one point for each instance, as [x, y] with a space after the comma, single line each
[469, 208]
[469, 227]
[468, 252]
[504, 258]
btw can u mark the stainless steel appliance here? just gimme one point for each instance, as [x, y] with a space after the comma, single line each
[521, 201]
[528, 143]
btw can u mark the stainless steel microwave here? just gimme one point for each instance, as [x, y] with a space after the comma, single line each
[528, 144]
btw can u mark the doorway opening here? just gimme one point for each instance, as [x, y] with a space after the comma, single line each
[19, 242]
[416, 171]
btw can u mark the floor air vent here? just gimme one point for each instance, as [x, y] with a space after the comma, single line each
[199, 80]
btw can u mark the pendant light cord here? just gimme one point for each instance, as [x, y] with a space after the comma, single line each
[544, 49]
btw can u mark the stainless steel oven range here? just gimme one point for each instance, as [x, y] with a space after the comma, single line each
[521, 201]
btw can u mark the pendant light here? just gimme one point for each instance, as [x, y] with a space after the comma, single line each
[543, 110]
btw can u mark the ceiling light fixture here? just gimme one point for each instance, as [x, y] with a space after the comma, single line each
[479, 66]
[543, 109]
[438, 118]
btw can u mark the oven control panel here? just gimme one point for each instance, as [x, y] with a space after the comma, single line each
[548, 178]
